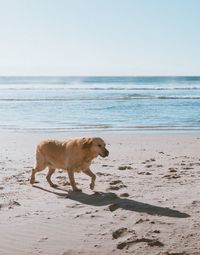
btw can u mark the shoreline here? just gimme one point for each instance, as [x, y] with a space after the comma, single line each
[146, 200]
[102, 131]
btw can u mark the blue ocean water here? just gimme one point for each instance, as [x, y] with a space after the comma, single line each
[100, 103]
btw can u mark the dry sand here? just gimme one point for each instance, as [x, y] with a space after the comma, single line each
[146, 200]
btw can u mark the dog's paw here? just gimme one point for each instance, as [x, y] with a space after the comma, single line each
[33, 182]
[92, 185]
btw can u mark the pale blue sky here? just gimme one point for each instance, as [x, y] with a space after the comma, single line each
[99, 37]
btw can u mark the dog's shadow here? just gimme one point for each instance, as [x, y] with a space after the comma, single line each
[114, 202]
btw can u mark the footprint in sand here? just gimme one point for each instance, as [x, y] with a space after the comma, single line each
[125, 168]
[133, 240]
[141, 221]
[121, 232]
[115, 182]
[144, 173]
[12, 204]
[42, 239]
[148, 166]
[116, 185]
[173, 176]
[102, 174]
[107, 166]
[172, 170]
[187, 168]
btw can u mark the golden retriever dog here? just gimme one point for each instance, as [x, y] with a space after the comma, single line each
[73, 155]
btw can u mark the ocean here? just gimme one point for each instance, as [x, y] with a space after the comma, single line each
[100, 103]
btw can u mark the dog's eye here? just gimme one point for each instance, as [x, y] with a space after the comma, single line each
[99, 145]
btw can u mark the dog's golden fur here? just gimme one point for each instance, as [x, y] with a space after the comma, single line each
[73, 155]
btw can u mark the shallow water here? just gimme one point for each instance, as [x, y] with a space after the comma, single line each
[100, 103]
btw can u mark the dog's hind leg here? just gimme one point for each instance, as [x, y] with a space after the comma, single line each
[41, 164]
[48, 177]
[34, 171]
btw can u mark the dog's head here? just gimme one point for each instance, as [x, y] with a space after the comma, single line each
[96, 145]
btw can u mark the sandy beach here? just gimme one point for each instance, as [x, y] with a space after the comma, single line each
[146, 199]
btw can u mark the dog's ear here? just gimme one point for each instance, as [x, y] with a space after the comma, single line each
[87, 142]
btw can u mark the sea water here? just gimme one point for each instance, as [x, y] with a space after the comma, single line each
[100, 103]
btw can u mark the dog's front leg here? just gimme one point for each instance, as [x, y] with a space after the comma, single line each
[93, 177]
[72, 181]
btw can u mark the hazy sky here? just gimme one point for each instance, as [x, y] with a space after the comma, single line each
[99, 37]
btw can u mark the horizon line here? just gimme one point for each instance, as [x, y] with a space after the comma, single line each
[78, 75]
